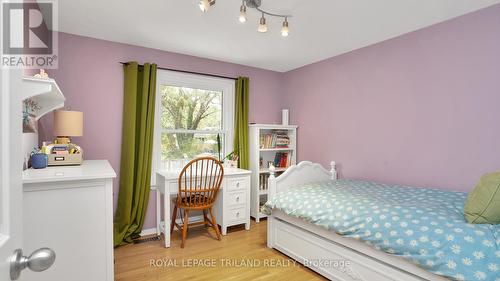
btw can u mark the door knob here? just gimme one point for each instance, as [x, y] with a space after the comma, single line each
[39, 260]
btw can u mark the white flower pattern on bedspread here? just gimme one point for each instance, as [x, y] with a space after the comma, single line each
[425, 226]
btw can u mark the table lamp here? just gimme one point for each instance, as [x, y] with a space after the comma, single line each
[67, 124]
[62, 152]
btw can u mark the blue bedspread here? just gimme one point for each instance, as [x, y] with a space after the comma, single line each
[424, 226]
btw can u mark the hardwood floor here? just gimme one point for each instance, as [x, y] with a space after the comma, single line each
[241, 255]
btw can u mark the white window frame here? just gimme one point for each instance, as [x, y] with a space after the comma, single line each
[195, 81]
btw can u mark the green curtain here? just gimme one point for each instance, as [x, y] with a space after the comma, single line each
[241, 122]
[137, 149]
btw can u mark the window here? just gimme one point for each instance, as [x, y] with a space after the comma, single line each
[194, 115]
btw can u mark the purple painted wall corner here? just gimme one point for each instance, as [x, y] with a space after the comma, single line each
[420, 109]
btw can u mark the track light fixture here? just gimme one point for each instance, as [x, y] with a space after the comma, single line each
[243, 13]
[206, 4]
[284, 29]
[262, 24]
[254, 4]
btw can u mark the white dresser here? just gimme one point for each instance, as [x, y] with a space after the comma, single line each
[232, 206]
[70, 210]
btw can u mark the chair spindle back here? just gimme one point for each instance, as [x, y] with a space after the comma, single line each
[199, 183]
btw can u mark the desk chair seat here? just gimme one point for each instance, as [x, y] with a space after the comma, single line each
[199, 184]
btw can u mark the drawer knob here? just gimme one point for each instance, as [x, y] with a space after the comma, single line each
[238, 198]
[237, 214]
[238, 184]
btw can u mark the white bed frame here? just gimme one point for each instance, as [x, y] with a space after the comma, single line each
[331, 255]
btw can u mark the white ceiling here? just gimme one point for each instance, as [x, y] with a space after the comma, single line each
[319, 29]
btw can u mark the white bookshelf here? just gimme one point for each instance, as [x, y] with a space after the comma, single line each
[267, 153]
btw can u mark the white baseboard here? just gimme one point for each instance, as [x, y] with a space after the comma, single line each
[152, 231]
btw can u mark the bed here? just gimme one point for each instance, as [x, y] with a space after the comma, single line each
[356, 230]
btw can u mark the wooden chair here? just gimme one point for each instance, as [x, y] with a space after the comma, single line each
[199, 184]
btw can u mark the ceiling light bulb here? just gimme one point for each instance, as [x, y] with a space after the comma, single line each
[206, 4]
[285, 30]
[262, 25]
[243, 13]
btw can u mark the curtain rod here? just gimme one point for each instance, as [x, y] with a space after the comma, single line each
[190, 72]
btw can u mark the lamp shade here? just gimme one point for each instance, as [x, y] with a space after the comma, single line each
[68, 123]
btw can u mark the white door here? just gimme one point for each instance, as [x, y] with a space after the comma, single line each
[12, 260]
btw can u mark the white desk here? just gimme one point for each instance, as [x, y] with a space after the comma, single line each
[232, 206]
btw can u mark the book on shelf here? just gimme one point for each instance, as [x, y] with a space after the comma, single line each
[282, 139]
[263, 181]
[276, 139]
[282, 160]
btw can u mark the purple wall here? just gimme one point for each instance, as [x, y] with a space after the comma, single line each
[421, 109]
[91, 78]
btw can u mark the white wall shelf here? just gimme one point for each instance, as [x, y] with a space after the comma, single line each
[275, 149]
[45, 92]
[47, 95]
[258, 192]
[266, 170]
